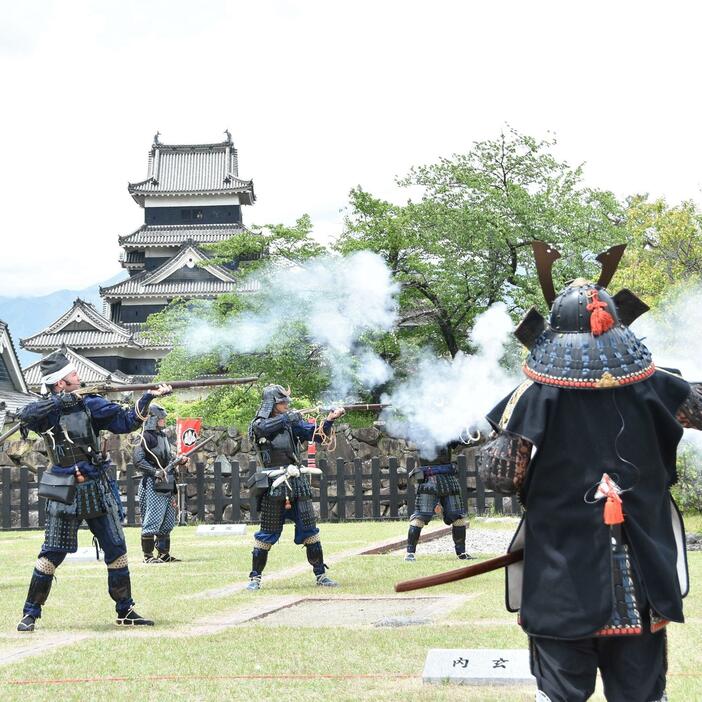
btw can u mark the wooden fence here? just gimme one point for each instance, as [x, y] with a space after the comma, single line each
[345, 492]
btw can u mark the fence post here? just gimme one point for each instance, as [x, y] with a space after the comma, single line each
[253, 512]
[358, 487]
[479, 491]
[218, 488]
[6, 498]
[235, 489]
[410, 464]
[200, 475]
[463, 479]
[41, 503]
[392, 465]
[131, 512]
[323, 489]
[375, 481]
[340, 490]
[24, 497]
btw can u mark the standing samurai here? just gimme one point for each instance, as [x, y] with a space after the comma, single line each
[277, 433]
[70, 425]
[437, 484]
[589, 443]
[156, 458]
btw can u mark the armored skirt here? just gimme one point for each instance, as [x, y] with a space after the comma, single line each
[158, 514]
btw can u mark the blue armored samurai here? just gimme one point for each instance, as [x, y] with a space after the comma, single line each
[588, 441]
[437, 483]
[70, 424]
[281, 487]
[156, 458]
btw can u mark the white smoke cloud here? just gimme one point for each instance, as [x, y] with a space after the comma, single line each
[672, 332]
[336, 299]
[443, 397]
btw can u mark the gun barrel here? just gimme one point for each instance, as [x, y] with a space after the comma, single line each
[7, 434]
[175, 384]
[461, 573]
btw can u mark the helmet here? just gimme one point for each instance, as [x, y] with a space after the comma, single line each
[586, 343]
[272, 395]
[156, 412]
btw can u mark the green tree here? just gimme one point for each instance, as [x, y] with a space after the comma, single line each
[666, 248]
[465, 242]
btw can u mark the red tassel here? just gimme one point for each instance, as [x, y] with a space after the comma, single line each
[613, 509]
[600, 319]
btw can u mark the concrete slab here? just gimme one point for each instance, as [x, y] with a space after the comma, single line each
[477, 666]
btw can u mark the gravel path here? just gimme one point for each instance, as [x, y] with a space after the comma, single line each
[478, 540]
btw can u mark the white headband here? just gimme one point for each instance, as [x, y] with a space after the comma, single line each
[53, 378]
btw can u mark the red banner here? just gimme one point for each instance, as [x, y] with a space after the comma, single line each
[188, 433]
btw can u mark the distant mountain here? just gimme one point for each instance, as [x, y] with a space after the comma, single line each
[28, 315]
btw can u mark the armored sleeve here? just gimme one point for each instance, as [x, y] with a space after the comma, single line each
[268, 427]
[141, 460]
[116, 418]
[690, 412]
[41, 415]
[503, 463]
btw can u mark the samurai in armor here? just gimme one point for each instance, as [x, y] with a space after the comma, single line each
[277, 433]
[70, 425]
[157, 459]
[437, 483]
[589, 443]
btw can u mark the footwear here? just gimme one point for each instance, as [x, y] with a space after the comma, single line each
[131, 618]
[465, 556]
[410, 558]
[152, 559]
[26, 623]
[324, 580]
[254, 583]
[167, 558]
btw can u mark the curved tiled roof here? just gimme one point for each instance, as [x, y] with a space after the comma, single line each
[176, 234]
[157, 284]
[101, 332]
[89, 371]
[193, 169]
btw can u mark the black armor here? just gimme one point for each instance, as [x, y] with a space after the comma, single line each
[275, 443]
[75, 438]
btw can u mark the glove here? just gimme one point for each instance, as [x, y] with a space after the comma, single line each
[294, 417]
[160, 474]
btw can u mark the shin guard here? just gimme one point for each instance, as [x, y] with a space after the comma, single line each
[315, 557]
[119, 585]
[147, 545]
[413, 537]
[39, 589]
[258, 561]
[458, 532]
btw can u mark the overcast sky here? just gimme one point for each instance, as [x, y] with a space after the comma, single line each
[319, 97]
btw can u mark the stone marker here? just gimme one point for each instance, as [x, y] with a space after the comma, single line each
[221, 530]
[478, 666]
[84, 553]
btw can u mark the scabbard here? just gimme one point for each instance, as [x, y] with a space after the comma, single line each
[461, 573]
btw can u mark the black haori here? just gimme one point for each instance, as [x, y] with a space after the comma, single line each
[585, 345]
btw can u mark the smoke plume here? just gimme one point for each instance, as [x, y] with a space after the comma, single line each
[443, 398]
[337, 300]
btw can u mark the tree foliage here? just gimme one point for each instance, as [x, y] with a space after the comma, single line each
[666, 248]
[465, 242]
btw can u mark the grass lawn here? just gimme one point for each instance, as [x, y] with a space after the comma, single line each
[343, 663]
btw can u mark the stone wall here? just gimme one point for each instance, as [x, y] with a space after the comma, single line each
[231, 446]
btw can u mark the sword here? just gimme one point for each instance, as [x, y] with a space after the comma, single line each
[461, 573]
